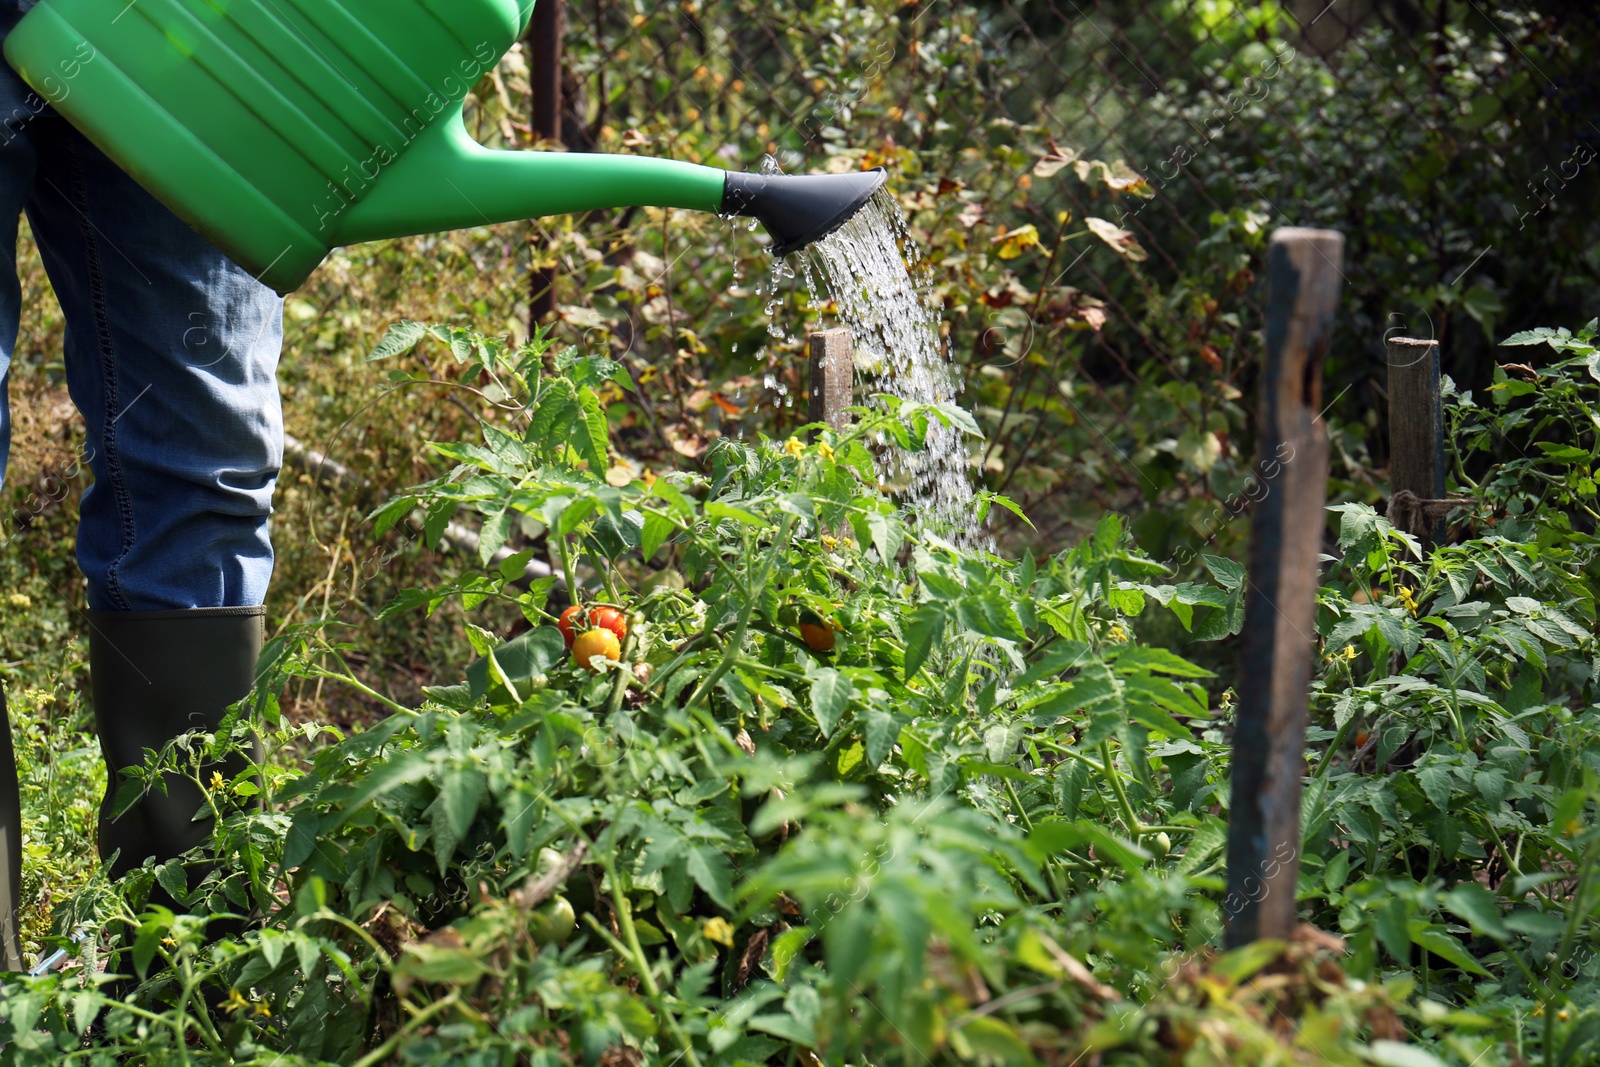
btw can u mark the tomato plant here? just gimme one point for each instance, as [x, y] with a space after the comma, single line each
[995, 802]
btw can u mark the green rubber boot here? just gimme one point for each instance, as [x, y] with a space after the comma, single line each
[156, 675]
[10, 847]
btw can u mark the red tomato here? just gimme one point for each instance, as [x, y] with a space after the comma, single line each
[568, 624]
[817, 635]
[607, 618]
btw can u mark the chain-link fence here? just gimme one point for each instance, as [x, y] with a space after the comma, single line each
[1094, 182]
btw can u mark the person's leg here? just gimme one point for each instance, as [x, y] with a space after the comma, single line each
[171, 355]
[18, 108]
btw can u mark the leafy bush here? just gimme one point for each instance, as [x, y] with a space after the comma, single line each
[986, 826]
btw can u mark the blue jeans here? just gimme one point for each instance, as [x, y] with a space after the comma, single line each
[171, 356]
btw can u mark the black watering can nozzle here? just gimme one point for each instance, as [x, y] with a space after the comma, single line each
[797, 209]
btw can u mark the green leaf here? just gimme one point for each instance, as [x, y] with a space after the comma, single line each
[882, 731]
[1478, 906]
[942, 587]
[1535, 923]
[384, 518]
[1391, 926]
[1126, 599]
[302, 839]
[495, 530]
[1387, 1053]
[1158, 719]
[432, 963]
[847, 944]
[402, 337]
[1437, 940]
[658, 529]
[990, 1040]
[986, 498]
[1050, 837]
[923, 632]
[520, 660]
[1092, 687]
[787, 1027]
[174, 879]
[594, 442]
[548, 428]
[1542, 335]
[1157, 661]
[718, 510]
[1436, 780]
[991, 615]
[403, 769]
[460, 792]
[713, 873]
[1246, 961]
[830, 697]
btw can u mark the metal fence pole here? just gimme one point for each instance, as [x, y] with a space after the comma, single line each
[1278, 644]
[544, 63]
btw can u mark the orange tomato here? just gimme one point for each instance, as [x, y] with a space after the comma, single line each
[596, 642]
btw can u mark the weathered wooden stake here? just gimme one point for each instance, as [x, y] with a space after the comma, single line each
[832, 380]
[544, 63]
[1278, 643]
[1416, 434]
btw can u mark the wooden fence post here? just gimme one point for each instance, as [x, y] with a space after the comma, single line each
[1278, 644]
[832, 377]
[544, 64]
[1416, 437]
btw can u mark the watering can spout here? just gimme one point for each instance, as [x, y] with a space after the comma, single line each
[799, 209]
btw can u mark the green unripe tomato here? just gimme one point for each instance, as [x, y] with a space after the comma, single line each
[553, 922]
[1160, 844]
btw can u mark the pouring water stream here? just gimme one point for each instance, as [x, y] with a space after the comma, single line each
[890, 309]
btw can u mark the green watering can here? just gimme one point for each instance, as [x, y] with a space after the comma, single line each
[282, 129]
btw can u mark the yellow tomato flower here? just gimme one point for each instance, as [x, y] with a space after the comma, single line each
[217, 782]
[794, 447]
[262, 1009]
[829, 543]
[169, 942]
[1409, 600]
[1118, 633]
[236, 1001]
[825, 450]
[719, 930]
